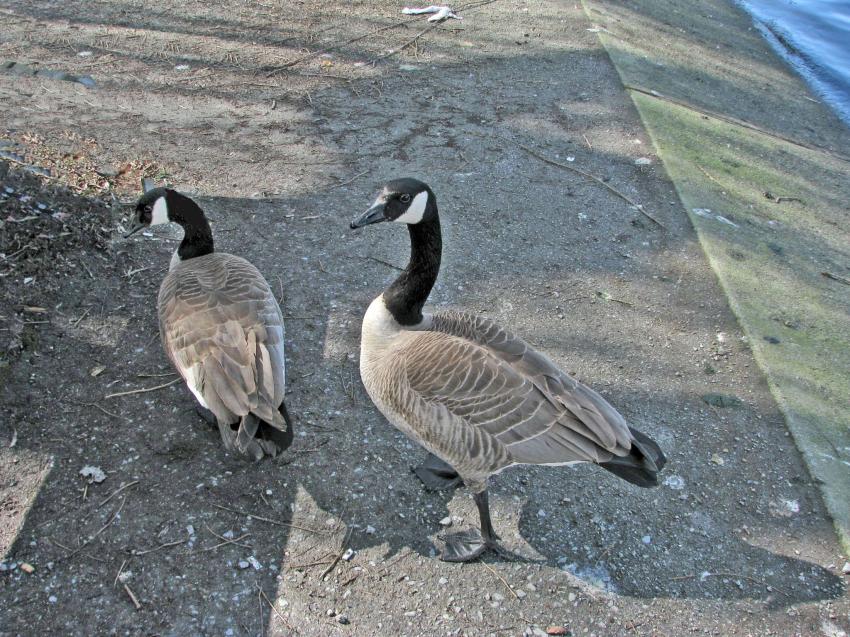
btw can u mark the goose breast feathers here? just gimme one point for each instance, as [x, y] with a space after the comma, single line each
[223, 330]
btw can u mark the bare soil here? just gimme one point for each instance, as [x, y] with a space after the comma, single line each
[182, 538]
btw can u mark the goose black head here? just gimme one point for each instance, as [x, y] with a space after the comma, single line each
[164, 205]
[405, 200]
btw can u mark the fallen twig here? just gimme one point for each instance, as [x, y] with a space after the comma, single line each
[225, 541]
[504, 581]
[142, 391]
[268, 601]
[339, 555]
[382, 262]
[110, 521]
[412, 40]
[118, 575]
[310, 56]
[348, 181]
[268, 520]
[157, 548]
[117, 491]
[132, 597]
[835, 277]
[579, 171]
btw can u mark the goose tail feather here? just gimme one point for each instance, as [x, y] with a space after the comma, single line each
[643, 463]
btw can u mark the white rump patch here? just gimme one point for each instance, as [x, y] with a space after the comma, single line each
[160, 212]
[416, 210]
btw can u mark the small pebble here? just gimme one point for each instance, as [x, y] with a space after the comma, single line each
[342, 619]
[446, 521]
[370, 530]
[846, 568]
[52, 599]
[243, 564]
[442, 581]
[27, 568]
[348, 555]
[646, 539]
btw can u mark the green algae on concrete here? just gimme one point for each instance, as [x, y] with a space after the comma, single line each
[770, 254]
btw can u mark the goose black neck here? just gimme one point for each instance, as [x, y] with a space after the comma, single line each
[407, 294]
[197, 234]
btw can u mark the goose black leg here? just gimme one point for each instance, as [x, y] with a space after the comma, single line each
[467, 545]
[437, 475]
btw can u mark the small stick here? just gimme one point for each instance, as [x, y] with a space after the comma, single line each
[270, 521]
[133, 598]
[587, 141]
[504, 581]
[117, 491]
[142, 391]
[118, 575]
[268, 601]
[338, 555]
[161, 546]
[348, 181]
[382, 262]
[156, 375]
[835, 277]
[621, 195]
[406, 44]
[76, 322]
[309, 56]
[111, 520]
[225, 541]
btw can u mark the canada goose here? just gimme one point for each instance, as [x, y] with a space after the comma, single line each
[478, 398]
[222, 328]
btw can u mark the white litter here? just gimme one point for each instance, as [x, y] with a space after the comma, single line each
[441, 12]
[94, 474]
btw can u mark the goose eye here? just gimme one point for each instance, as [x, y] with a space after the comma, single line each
[404, 198]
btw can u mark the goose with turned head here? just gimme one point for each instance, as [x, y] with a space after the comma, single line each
[222, 329]
[474, 395]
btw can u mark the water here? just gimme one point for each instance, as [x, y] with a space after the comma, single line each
[814, 36]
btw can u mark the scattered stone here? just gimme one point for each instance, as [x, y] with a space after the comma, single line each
[520, 593]
[771, 339]
[27, 568]
[342, 619]
[94, 474]
[571, 597]
[556, 630]
[442, 581]
[541, 513]
[370, 530]
[643, 161]
[253, 561]
[717, 459]
[52, 599]
[348, 555]
[846, 568]
[446, 521]
[85, 54]
[243, 564]
[330, 612]
[646, 539]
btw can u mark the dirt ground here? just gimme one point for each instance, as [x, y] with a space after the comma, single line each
[283, 123]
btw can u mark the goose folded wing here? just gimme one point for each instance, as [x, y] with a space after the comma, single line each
[487, 392]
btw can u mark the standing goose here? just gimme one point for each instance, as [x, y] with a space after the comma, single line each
[222, 329]
[478, 398]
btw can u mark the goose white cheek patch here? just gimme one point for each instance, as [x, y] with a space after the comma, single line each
[160, 212]
[416, 210]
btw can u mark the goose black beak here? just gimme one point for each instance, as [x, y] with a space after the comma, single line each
[375, 214]
[136, 227]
